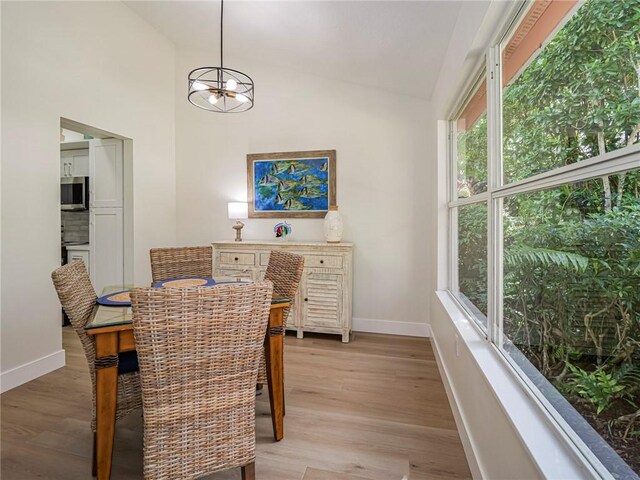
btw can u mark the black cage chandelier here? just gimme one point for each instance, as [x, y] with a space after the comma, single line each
[220, 89]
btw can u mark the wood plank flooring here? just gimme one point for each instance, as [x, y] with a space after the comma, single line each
[373, 409]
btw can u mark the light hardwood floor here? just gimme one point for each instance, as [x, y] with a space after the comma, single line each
[373, 409]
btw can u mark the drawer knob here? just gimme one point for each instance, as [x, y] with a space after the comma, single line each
[321, 261]
[236, 259]
[306, 299]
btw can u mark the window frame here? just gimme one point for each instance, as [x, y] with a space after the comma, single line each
[453, 201]
[610, 163]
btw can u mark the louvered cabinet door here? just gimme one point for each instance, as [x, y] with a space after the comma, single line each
[322, 301]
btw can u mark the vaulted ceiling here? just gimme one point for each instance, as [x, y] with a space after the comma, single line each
[392, 45]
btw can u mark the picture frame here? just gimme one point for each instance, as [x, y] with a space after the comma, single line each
[291, 184]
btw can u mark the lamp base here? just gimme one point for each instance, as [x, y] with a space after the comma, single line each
[238, 228]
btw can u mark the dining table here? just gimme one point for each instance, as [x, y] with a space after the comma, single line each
[112, 329]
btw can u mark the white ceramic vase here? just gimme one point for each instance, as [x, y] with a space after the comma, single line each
[333, 225]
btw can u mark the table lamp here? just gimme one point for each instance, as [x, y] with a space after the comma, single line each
[238, 210]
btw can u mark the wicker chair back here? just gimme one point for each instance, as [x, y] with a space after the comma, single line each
[198, 350]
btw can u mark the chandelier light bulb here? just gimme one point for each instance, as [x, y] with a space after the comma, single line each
[231, 85]
[213, 99]
[199, 86]
[241, 98]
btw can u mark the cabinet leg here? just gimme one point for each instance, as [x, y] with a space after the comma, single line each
[345, 337]
[300, 333]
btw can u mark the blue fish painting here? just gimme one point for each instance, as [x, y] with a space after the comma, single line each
[300, 184]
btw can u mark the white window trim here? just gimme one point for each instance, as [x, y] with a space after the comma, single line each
[610, 163]
[494, 207]
[478, 198]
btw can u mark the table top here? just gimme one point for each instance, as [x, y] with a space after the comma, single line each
[109, 316]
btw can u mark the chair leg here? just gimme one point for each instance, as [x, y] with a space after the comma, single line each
[94, 458]
[249, 471]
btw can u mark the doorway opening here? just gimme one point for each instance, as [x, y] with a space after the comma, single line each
[96, 202]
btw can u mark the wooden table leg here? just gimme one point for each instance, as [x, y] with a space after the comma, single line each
[106, 364]
[249, 471]
[273, 345]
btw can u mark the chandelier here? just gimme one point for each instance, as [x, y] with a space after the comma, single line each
[220, 89]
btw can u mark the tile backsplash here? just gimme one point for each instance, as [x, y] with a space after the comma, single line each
[75, 226]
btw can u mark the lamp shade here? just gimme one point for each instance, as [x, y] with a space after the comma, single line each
[238, 210]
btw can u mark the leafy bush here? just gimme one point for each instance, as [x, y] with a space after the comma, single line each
[598, 387]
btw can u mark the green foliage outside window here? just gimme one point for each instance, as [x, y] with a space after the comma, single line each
[579, 97]
[472, 246]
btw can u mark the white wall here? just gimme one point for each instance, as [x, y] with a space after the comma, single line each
[380, 141]
[101, 65]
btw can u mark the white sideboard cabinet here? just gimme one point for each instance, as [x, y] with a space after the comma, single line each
[323, 302]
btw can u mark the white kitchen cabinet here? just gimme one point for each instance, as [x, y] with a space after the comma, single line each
[106, 237]
[80, 252]
[106, 167]
[323, 302]
[74, 163]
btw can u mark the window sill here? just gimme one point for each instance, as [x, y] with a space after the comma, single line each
[547, 444]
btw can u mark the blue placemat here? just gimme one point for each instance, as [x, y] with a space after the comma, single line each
[115, 299]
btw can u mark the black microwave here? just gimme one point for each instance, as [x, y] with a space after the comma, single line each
[74, 193]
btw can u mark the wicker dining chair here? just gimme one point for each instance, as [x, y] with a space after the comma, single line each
[78, 298]
[181, 262]
[198, 350]
[284, 270]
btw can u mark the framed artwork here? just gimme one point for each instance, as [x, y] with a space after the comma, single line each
[291, 184]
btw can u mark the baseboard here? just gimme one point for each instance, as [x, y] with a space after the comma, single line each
[410, 329]
[467, 444]
[31, 370]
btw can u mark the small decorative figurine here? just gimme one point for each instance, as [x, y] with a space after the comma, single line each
[282, 230]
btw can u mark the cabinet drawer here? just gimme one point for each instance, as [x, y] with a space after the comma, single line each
[224, 274]
[323, 261]
[311, 261]
[231, 258]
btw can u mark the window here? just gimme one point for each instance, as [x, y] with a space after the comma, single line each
[472, 258]
[471, 145]
[545, 216]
